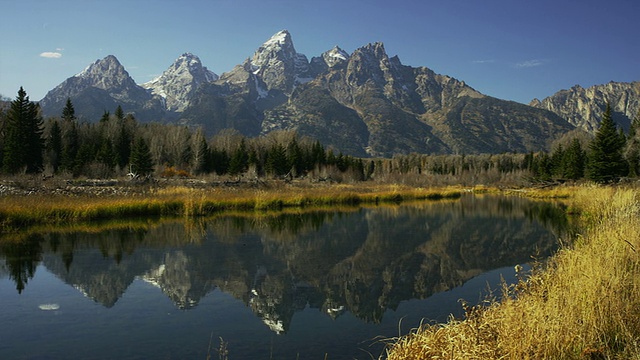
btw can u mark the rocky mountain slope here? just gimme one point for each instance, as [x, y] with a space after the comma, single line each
[363, 104]
[178, 83]
[103, 85]
[583, 107]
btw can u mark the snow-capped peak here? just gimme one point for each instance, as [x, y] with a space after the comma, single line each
[335, 56]
[177, 84]
[278, 38]
[277, 63]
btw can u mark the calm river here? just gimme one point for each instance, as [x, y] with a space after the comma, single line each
[303, 285]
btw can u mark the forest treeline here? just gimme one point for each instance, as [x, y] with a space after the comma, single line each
[117, 145]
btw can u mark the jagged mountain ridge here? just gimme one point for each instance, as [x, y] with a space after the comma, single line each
[100, 87]
[177, 84]
[363, 104]
[583, 107]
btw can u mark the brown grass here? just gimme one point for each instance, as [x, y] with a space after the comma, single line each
[584, 304]
[17, 212]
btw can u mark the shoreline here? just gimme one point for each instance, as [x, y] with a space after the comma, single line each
[580, 304]
[88, 201]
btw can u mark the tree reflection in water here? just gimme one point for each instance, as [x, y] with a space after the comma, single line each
[360, 260]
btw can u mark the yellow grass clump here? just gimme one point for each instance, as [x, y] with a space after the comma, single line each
[17, 212]
[584, 303]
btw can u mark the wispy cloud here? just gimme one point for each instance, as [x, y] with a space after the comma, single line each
[488, 61]
[51, 54]
[530, 63]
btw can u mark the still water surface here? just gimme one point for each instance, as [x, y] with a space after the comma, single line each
[285, 286]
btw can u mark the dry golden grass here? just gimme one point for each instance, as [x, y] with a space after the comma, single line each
[584, 303]
[20, 211]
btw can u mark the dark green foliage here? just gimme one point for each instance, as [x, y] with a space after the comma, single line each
[83, 158]
[122, 145]
[68, 112]
[141, 162]
[105, 117]
[606, 162]
[541, 168]
[277, 163]
[71, 145]
[106, 154]
[119, 113]
[220, 161]
[632, 153]
[574, 161]
[23, 143]
[297, 159]
[202, 157]
[239, 160]
[54, 145]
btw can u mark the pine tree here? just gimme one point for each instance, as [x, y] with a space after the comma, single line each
[239, 160]
[71, 146]
[277, 162]
[119, 113]
[574, 161]
[69, 113]
[141, 161]
[220, 160]
[105, 117]
[201, 155]
[606, 162]
[24, 144]
[296, 158]
[106, 155]
[632, 153]
[54, 145]
[122, 146]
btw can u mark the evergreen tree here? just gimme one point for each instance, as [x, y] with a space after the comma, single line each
[239, 160]
[318, 154]
[71, 146]
[574, 161]
[119, 113]
[3, 121]
[141, 161]
[106, 154]
[557, 162]
[122, 144]
[105, 117]
[606, 161]
[68, 112]
[84, 156]
[220, 160]
[632, 153]
[542, 167]
[277, 163]
[54, 146]
[296, 158]
[201, 155]
[24, 144]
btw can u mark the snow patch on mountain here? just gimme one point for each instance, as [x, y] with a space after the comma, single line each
[177, 84]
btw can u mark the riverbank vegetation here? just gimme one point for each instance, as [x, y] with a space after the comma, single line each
[118, 146]
[581, 304]
[19, 211]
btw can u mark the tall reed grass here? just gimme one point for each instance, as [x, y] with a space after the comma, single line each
[21, 211]
[584, 303]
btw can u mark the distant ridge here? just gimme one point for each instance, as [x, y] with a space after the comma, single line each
[363, 104]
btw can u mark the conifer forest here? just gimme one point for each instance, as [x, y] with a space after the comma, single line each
[117, 145]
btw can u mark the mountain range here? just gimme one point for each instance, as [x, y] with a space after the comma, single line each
[363, 104]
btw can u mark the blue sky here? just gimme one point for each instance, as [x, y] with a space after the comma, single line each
[510, 49]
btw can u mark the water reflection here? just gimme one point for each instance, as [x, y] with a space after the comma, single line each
[363, 261]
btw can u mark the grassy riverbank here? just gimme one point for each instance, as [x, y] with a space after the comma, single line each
[19, 211]
[584, 303]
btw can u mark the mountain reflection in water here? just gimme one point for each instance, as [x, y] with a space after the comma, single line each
[363, 261]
